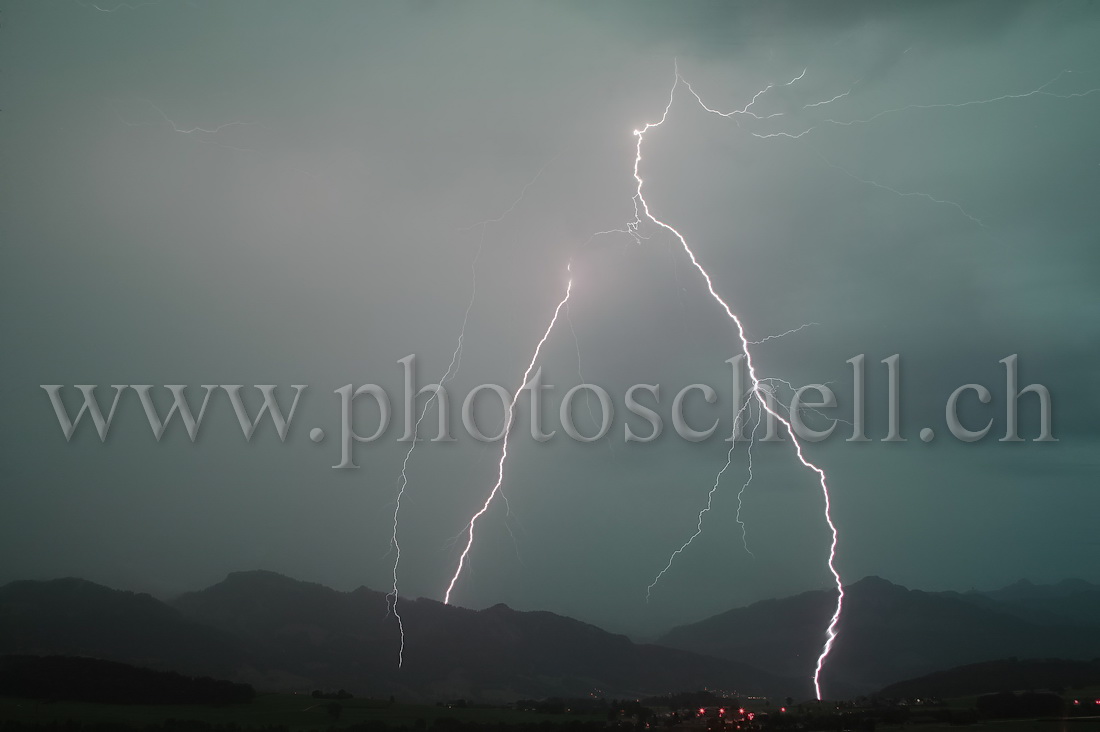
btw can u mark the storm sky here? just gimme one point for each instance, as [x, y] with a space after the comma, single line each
[297, 193]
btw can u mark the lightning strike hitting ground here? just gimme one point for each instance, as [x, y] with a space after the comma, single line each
[757, 391]
[450, 373]
[504, 443]
[452, 369]
[757, 386]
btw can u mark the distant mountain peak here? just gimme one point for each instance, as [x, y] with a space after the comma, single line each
[261, 575]
[262, 580]
[873, 580]
[60, 583]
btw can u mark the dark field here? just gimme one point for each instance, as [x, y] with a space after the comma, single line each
[292, 711]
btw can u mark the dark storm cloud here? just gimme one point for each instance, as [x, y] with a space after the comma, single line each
[728, 25]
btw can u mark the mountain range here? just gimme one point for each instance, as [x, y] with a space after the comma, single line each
[888, 633]
[279, 633]
[1010, 674]
[282, 634]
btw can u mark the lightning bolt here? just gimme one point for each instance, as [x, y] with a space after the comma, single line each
[1040, 90]
[745, 485]
[202, 134]
[906, 194]
[471, 526]
[793, 388]
[758, 383]
[449, 374]
[792, 331]
[757, 387]
[452, 370]
[831, 99]
[193, 130]
[710, 504]
[510, 209]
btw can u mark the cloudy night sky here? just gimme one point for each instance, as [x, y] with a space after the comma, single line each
[201, 192]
